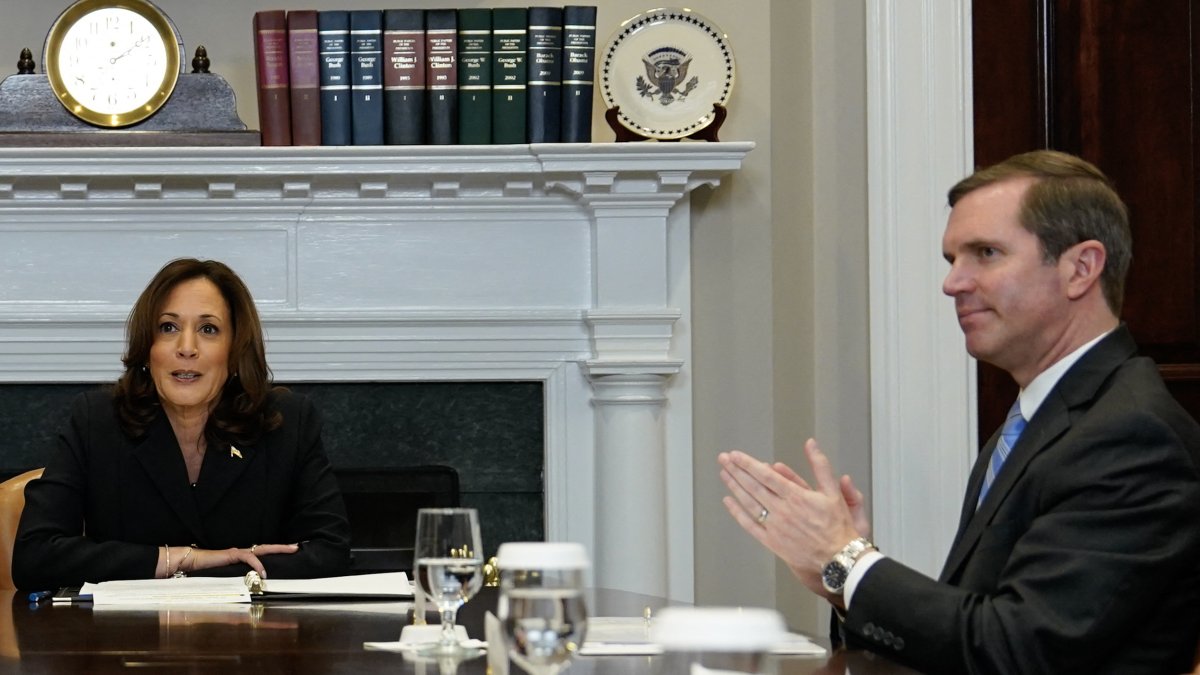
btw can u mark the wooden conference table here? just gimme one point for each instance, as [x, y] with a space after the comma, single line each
[290, 637]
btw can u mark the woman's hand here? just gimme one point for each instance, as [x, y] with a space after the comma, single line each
[201, 559]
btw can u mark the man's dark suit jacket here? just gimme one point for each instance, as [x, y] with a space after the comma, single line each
[106, 502]
[1085, 556]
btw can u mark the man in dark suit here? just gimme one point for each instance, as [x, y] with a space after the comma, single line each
[1078, 549]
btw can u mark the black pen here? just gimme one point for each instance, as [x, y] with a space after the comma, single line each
[39, 596]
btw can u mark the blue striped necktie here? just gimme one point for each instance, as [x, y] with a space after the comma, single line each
[1013, 426]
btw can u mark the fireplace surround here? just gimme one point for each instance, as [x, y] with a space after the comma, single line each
[566, 265]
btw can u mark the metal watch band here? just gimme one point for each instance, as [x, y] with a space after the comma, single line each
[854, 549]
[837, 571]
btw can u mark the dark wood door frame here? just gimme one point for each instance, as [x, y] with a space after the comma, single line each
[1112, 81]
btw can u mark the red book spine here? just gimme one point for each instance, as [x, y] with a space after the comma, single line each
[404, 60]
[304, 53]
[271, 70]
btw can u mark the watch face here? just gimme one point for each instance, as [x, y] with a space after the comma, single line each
[112, 63]
[833, 576]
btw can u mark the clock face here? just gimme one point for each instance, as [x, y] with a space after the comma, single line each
[113, 63]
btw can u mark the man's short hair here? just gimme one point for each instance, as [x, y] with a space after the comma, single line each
[1070, 202]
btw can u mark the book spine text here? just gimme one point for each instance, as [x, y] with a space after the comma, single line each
[366, 77]
[271, 72]
[578, 72]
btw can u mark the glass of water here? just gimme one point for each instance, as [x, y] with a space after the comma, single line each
[449, 569]
[730, 641]
[542, 610]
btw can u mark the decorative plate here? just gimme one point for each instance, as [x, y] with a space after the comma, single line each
[665, 69]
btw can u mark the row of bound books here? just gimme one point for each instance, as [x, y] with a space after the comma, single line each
[471, 76]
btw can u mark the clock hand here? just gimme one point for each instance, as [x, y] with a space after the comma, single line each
[137, 44]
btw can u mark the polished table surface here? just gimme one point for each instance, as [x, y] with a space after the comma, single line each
[290, 637]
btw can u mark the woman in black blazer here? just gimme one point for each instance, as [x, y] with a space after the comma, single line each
[192, 463]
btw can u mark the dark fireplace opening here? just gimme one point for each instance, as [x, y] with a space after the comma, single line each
[381, 505]
[491, 433]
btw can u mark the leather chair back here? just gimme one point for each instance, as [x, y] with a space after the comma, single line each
[12, 502]
[382, 505]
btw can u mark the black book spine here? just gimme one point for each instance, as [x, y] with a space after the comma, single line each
[578, 72]
[441, 75]
[404, 76]
[333, 27]
[366, 76]
[543, 61]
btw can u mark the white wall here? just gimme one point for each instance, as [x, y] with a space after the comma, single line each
[780, 281]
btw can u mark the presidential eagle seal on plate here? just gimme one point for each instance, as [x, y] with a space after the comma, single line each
[665, 70]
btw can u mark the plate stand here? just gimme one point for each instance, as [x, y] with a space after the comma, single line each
[625, 134]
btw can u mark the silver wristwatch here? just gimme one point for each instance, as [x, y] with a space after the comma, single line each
[836, 571]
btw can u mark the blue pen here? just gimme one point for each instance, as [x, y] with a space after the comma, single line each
[40, 596]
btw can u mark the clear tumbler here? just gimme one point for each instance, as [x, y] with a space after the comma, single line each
[542, 608]
[729, 641]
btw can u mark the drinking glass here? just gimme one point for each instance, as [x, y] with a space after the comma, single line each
[449, 568]
[732, 641]
[542, 610]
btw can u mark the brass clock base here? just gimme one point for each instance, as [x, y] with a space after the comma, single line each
[201, 111]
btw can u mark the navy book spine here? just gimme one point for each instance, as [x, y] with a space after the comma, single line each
[441, 74]
[543, 61]
[404, 76]
[578, 72]
[333, 27]
[366, 76]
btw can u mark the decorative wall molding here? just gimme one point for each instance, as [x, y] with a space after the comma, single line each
[922, 380]
[568, 264]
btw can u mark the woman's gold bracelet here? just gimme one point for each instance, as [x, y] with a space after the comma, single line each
[179, 573]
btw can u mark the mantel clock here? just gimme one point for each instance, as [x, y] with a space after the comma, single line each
[112, 63]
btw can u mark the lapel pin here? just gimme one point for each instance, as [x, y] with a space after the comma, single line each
[234, 452]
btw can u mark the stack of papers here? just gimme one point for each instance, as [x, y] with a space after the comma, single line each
[215, 590]
[618, 635]
[171, 591]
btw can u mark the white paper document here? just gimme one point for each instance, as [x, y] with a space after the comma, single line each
[414, 646]
[618, 635]
[608, 635]
[382, 585]
[210, 590]
[171, 591]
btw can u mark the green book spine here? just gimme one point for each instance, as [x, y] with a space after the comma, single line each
[475, 76]
[509, 77]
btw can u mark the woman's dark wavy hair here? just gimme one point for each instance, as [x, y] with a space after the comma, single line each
[242, 413]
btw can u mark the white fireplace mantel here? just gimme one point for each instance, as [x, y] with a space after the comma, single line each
[567, 264]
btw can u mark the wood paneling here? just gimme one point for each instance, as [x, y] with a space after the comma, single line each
[1112, 81]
